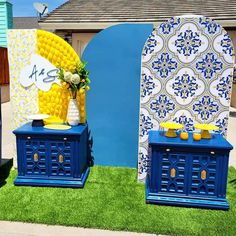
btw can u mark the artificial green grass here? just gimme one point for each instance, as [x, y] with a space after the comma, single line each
[112, 199]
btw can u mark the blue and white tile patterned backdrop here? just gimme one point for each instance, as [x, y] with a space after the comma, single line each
[187, 72]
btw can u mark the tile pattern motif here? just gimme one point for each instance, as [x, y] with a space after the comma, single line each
[187, 73]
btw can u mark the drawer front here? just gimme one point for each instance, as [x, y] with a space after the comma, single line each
[204, 174]
[35, 153]
[173, 167]
[61, 158]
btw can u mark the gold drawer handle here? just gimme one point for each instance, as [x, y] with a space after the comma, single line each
[203, 174]
[36, 157]
[61, 158]
[172, 172]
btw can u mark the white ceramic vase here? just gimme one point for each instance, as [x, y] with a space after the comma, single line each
[73, 116]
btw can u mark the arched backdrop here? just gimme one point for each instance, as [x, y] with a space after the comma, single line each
[187, 72]
[114, 61]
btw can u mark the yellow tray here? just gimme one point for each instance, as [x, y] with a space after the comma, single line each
[57, 127]
[171, 126]
[205, 129]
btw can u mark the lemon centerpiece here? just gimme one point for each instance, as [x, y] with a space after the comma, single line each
[205, 129]
[172, 127]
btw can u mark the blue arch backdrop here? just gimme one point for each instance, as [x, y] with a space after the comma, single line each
[114, 62]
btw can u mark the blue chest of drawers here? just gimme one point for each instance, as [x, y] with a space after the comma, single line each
[187, 172]
[52, 157]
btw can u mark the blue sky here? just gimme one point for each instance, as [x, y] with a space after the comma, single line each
[25, 7]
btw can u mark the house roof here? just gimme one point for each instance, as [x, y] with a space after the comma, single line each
[25, 23]
[76, 13]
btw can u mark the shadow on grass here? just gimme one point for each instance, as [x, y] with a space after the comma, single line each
[5, 169]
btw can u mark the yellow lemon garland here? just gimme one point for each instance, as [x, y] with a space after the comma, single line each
[62, 55]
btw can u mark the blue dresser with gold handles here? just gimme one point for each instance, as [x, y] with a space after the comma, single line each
[187, 172]
[48, 157]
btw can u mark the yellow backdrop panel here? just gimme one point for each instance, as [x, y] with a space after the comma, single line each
[22, 44]
[61, 55]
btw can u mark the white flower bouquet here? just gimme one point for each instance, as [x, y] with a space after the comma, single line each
[78, 79]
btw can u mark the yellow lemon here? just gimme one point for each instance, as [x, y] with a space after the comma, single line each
[196, 136]
[184, 135]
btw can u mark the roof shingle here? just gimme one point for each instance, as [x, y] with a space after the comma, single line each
[100, 11]
[25, 23]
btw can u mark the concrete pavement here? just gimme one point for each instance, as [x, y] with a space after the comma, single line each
[26, 229]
